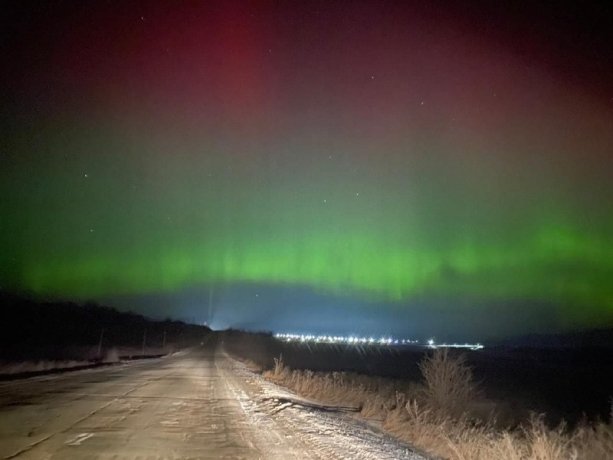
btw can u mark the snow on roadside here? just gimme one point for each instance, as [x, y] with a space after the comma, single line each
[334, 435]
[39, 366]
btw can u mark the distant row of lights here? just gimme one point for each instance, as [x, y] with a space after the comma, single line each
[344, 339]
[387, 341]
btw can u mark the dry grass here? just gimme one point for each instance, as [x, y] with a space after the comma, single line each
[436, 416]
[376, 396]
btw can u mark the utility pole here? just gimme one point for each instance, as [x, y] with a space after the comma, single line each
[100, 343]
[144, 341]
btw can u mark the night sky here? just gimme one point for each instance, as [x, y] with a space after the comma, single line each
[313, 166]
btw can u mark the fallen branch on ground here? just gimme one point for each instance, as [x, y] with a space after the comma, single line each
[311, 404]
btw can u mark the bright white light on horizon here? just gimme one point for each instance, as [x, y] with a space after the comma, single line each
[468, 346]
[382, 341]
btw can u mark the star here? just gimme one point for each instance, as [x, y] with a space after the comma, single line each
[91, 230]
[86, 175]
[325, 201]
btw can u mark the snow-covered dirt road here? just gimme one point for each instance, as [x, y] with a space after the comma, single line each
[201, 404]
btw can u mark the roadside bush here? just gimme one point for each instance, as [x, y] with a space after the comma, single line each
[449, 383]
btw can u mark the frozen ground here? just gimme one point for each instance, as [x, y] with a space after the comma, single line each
[200, 404]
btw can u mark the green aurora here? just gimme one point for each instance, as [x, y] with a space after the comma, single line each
[350, 191]
[395, 238]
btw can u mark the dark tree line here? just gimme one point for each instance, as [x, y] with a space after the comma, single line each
[50, 329]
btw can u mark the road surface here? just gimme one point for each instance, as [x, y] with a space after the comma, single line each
[201, 404]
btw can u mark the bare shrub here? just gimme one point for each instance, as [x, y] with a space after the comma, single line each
[279, 369]
[450, 387]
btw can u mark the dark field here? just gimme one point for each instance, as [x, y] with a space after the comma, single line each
[564, 384]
